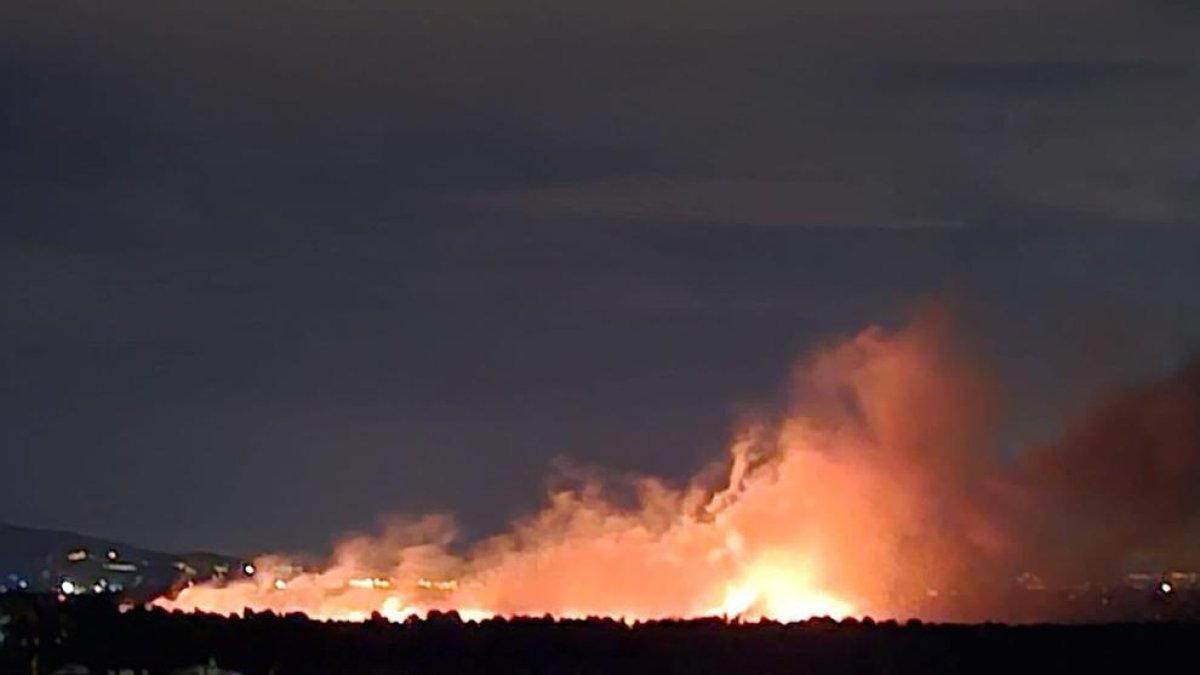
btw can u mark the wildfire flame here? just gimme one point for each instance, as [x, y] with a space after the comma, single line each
[873, 494]
[807, 523]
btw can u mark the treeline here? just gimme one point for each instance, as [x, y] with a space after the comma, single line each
[47, 634]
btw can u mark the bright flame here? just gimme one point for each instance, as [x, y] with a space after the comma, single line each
[782, 593]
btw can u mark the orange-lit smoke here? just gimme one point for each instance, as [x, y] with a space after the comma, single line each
[875, 492]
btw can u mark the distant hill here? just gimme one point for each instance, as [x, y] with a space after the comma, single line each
[26, 549]
[42, 559]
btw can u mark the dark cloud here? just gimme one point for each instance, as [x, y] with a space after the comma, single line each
[879, 108]
[319, 262]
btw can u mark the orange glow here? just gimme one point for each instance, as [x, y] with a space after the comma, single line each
[824, 513]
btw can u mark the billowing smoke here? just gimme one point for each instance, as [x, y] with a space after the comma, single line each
[879, 488]
[1118, 486]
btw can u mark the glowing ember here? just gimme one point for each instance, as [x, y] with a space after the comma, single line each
[369, 583]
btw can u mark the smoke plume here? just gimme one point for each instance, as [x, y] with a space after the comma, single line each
[878, 489]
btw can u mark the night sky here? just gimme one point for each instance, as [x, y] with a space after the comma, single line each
[271, 270]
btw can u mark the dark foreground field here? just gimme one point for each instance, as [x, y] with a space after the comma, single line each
[102, 639]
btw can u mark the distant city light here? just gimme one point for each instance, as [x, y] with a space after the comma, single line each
[280, 584]
[112, 554]
[248, 568]
[67, 587]
[1166, 588]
